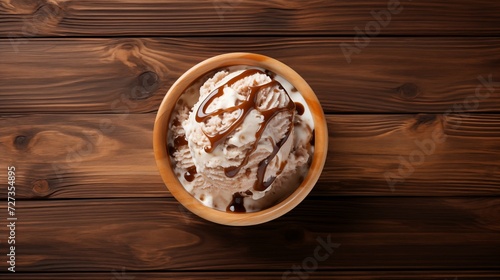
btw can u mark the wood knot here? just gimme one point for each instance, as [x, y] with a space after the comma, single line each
[422, 119]
[21, 142]
[128, 46]
[147, 84]
[41, 186]
[408, 90]
[47, 15]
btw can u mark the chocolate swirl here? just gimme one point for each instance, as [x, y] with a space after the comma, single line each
[245, 107]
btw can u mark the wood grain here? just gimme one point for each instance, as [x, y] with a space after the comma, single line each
[93, 156]
[132, 75]
[411, 185]
[157, 234]
[251, 275]
[243, 17]
[65, 153]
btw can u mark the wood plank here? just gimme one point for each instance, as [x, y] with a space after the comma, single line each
[157, 234]
[406, 75]
[123, 274]
[65, 154]
[421, 154]
[77, 156]
[248, 17]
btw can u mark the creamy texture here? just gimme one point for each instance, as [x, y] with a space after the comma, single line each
[240, 139]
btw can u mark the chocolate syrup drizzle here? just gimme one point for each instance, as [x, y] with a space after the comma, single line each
[190, 173]
[244, 108]
[236, 204]
[180, 141]
[300, 108]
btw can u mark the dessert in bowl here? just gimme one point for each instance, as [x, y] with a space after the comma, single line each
[240, 139]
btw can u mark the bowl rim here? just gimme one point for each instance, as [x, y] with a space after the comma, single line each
[163, 159]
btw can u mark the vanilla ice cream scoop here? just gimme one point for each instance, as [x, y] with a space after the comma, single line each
[239, 131]
[241, 139]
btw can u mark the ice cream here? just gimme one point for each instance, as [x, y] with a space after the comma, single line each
[240, 139]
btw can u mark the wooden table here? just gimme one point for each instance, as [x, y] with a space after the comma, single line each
[412, 181]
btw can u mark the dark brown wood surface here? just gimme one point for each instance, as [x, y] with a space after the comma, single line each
[131, 75]
[243, 17]
[158, 234]
[251, 275]
[69, 156]
[411, 185]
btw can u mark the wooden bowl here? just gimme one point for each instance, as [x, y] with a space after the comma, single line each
[163, 159]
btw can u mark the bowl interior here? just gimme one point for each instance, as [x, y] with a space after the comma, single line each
[163, 159]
